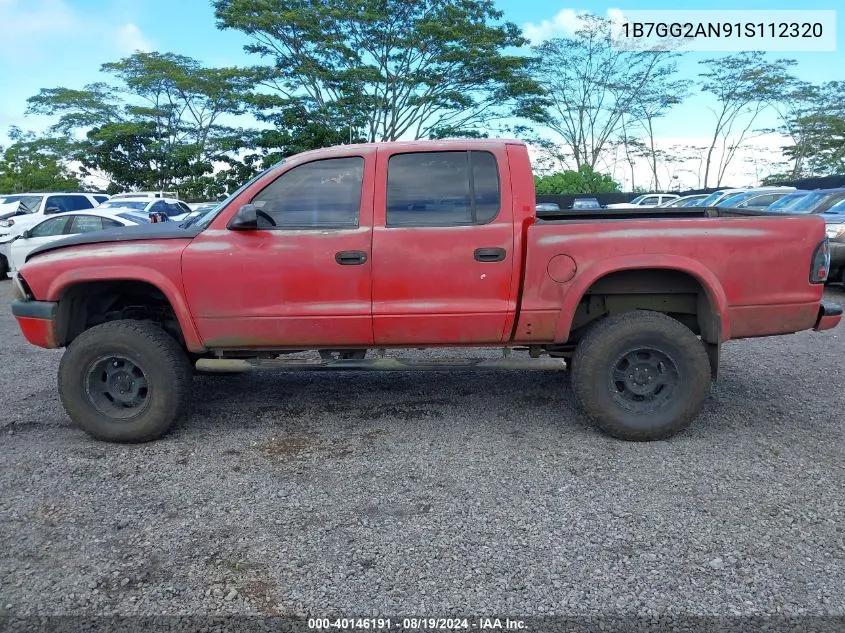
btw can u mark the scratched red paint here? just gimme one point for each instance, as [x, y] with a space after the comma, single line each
[423, 286]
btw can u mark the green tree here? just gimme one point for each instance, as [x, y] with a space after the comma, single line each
[743, 85]
[816, 128]
[35, 164]
[158, 124]
[591, 86]
[389, 68]
[585, 180]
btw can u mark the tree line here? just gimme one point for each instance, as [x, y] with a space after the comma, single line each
[381, 70]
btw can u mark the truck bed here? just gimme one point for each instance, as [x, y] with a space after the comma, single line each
[567, 215]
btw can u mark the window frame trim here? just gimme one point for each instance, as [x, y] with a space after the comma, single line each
[311, 227]
[471, 187]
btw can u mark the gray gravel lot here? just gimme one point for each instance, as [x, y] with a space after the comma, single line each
[394, 493]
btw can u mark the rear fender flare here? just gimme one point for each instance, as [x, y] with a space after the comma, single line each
[585, 279]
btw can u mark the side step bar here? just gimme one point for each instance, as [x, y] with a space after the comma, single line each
[229, 365]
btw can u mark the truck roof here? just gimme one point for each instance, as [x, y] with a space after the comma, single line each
[468, 143]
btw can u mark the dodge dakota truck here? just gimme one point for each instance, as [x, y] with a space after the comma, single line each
[357, 249]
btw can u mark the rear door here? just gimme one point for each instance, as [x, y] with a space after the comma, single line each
[442, 247]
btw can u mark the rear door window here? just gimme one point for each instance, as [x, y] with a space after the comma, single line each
[50, 228]
[442, 188]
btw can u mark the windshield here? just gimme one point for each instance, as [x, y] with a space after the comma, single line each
[839, 207]
[709, 200]
[637, 200]
[732, 200]
[798, 202]
[205, 219]
[30, 202]
[124, 204]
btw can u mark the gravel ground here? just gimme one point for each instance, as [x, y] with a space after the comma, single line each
[388, 493]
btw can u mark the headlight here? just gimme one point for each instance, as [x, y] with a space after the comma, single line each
[835, 230]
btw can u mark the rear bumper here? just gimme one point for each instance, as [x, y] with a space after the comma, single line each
[829, 316]
[37, 320]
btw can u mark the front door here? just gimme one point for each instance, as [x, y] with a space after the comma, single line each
[303, 277]
[442, 247]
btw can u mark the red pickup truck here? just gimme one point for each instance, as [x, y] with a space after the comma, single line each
[418, 244]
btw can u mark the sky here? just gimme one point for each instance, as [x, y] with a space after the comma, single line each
[50, 43]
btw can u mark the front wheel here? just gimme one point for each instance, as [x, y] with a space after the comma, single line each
[125, 381]
[641, 375]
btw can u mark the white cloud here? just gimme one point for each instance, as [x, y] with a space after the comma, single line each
[35, 30]
[129, 39]
[564, 23]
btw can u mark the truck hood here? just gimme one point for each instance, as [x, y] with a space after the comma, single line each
[145, 232]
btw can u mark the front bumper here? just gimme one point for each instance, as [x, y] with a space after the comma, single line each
[829, 316]
[37, 320]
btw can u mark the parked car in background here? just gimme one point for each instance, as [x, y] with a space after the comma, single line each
[20, 211]
[56, 228]
[647, 200]
[174, 209]
[547, 208]
[815, 201]
[586, 203]
[834, 219]
[718, 196]
[684, 201]
[753, 199]
[146, 194]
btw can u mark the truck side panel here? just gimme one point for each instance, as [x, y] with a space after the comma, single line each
[754, 270]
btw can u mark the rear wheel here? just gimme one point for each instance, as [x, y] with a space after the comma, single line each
[641, 375]
[125, 381]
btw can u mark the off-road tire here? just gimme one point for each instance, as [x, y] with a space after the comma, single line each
[166, 370]
[605, 348]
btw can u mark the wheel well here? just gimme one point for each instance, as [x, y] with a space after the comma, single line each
[84, 305]
[672, 292]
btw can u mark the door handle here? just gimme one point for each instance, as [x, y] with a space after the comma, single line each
[489, 254]
[350, 258]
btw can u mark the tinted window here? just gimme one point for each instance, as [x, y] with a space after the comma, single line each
[174, 209]
[68, 203]
[49, 228]
[85, 224]
[111, 224]
[321, 194]
[442, 188]
[158, 207]
[761, 202]
[650, 201]
[101, 198]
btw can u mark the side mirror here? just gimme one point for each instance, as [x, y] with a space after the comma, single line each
[246, 219]
[51, 210]
[27, 234]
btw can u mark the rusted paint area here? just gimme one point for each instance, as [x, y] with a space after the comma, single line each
[764, 320]
[562, 268]
[536, 326]
[658, 232]
[131, 249]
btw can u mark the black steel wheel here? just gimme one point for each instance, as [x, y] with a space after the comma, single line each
[641, 375]
[125, 381]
